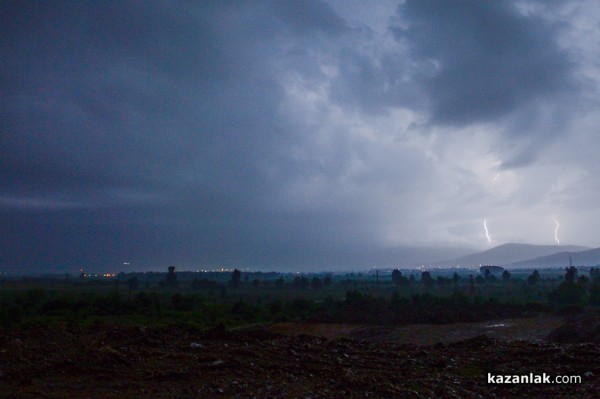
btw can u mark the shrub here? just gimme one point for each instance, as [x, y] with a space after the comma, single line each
[182, 302]
[568, 293]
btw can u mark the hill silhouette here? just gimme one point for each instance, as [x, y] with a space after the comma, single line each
[510, 254]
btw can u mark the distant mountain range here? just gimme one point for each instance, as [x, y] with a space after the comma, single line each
[579, 258]
[525, 255]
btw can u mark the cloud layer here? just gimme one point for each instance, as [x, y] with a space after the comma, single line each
[287, 135]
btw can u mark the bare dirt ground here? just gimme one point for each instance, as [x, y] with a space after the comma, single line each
[534, 329]
[106, 361]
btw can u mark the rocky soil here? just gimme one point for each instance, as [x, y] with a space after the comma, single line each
[584, 327]
[136, 362]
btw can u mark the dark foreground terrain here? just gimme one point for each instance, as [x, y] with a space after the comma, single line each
[106, 361]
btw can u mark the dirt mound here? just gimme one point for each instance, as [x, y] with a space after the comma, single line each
[578, 329]
[133, 362]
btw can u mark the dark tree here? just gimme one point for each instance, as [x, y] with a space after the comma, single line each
[316, 283]
[304, 282]
[426, 279]
[570, 274]
[171, 280]
[301, 282]
[255, 282]
[487, 274]
[396, 277]
[595, 275]
[505, 276]
[583, 280]
[327, 281]
[236, 277]
[455, 279]
[442, 281]
[533, 278]
[279, 282]
[480, 279]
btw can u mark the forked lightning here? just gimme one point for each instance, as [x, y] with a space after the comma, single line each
[487, 233]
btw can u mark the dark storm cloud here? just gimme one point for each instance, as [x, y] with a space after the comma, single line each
[121, 116]
[131, 93]
[309, 16]
[481, 60]
[263, 134]
[139, 91]
[376, 82]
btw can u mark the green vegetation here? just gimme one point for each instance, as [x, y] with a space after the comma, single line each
[237, 298]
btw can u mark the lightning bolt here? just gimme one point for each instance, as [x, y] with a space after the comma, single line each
[556, 232]
[487, 233]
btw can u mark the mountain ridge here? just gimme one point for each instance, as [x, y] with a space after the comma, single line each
[512, 253]
[589, 257]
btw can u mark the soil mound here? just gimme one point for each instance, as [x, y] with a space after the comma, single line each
[578, 329]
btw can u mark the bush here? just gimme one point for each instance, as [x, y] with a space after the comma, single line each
[182, 302]
[595, 295]
[147, 301]
[243, 310]
[58, 305]
[300, 307]
[568, 293]
[111, 304]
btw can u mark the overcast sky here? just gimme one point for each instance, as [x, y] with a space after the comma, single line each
[293, 134]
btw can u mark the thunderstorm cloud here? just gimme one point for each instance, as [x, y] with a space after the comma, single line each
[293, 135]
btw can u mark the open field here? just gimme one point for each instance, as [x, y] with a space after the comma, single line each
[282, 338]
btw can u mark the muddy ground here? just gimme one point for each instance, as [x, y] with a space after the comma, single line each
[106, 361]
